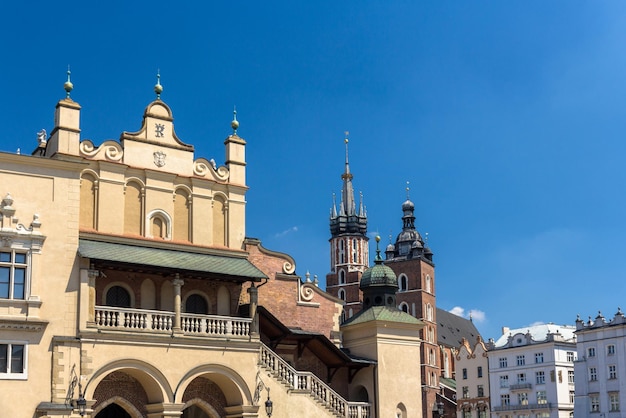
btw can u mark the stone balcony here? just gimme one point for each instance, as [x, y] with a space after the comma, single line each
[163, 322]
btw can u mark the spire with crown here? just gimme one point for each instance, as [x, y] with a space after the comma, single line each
[347, 220]
[409, 243]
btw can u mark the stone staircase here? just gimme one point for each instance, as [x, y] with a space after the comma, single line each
[308, 383]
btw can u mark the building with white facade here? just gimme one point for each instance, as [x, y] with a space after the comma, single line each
[531, 372]
[600, 368]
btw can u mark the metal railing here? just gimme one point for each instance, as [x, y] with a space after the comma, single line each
[311, 384]
[503, 408]
[144, 320]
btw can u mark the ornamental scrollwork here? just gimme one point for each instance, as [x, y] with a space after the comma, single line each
[306, 293]
[202, 167]
[289, 268]
[111, 150]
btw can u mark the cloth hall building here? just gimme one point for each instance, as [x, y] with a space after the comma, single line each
[129, 289]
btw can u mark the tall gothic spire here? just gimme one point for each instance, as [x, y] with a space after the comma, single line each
[348, 191]
[347, 219]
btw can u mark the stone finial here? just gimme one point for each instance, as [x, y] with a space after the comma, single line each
[68, 86]
[158, 88]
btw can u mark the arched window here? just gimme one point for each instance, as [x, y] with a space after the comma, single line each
[88, 192]
[354, 252]
[342, 276]
[428, 285]
[404, 307]
[159, 224]
[196, 304]
[219, 221]
[182, 209]
[403, 282]
[341, 294]
[118, 296]
[132, 208]
[342, 250]
[429, 312]
[223, 301]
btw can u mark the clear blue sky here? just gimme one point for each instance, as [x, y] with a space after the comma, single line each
[507, 118]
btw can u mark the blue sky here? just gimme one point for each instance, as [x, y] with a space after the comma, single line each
[507, 118]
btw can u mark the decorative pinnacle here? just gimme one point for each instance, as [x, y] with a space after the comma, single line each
[378, 257]
[158, 88]
[68, 86]
[407, 191]
[234, 124]
[347, 175]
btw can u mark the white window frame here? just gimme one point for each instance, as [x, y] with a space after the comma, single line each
[591, 352]
[612, 369]
[540, 377]
[610, 350]
[15, 376]
[12, 265]
[520, 359]
[538, 358]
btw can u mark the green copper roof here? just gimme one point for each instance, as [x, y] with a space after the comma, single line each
[383, 313]
[203, 264]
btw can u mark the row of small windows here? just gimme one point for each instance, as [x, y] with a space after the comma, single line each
[610, 350]
[520, 360]
[594, 402]
[611, 373]
[523, 398]
[540, 378]
[342, 251]
[479, 372]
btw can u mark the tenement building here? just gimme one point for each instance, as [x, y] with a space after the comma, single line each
[531, 372]
[600, 369]
[129, 289]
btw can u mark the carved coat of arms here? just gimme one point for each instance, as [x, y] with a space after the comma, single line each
[159, 158]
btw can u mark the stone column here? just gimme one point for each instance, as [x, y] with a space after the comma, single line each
[254, 302]
[178, 283]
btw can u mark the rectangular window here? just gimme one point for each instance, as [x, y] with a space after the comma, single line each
[538, 357]
[614, 401]
[504, 381]
[503, 362]
[593, 374]
[591, 351]
[12, 361]
[12, 275]
[572, 396]
[540, 378]
[542, 398]
[610, 350]
[480, 371]
[594, 403]
[570, 356]
[612, 371]
[521, 378]
[522, 398]
[465, 392]
[505, 400]
[570, 376]
[464, 374]
[521, 360]
[481, 391]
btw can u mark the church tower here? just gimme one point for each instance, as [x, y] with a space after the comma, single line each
[412, 261]
[349, 252]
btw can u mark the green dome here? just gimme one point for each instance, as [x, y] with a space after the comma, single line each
[379, 275]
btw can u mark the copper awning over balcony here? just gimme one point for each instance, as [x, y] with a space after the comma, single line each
[146, 256]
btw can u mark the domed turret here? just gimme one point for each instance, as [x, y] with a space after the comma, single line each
[379, 283]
